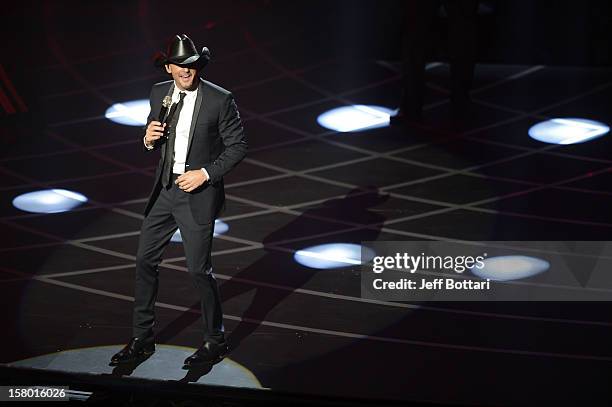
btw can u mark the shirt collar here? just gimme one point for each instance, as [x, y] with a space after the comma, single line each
[189, 93]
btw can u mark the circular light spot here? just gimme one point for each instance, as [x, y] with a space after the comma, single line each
[355, 118]
[332, 255]
[220, 228]
[176, 237]
[162, 365]
[506, 268]
[49, 201]
[567, 131]
[132, 113]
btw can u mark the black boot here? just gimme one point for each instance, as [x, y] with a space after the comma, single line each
[207, 353]
[137, 348]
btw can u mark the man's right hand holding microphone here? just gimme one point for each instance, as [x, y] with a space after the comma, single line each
[155, 131]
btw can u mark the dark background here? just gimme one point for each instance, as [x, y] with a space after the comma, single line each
[287, 62]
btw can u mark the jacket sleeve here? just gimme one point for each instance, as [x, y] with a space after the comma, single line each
[234, 140]
[149, 120]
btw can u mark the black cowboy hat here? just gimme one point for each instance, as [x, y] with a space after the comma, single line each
[182, 52]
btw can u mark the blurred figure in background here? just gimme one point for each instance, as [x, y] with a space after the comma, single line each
[419, 17]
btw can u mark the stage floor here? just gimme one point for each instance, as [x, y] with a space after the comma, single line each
[67, 278]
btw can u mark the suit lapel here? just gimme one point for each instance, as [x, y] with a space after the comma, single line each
[196, 112]
[169, 93]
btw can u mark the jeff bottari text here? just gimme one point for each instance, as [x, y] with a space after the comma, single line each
[434, 284]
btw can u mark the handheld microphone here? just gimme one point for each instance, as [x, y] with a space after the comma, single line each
[164, 109]
[166, 103]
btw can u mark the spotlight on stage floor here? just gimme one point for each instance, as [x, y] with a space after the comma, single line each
[132, 113]
[49, 201]
[355, 118]
[220, 228]
[164, 364]
[568, 130]
[506, 268]
[332, 255]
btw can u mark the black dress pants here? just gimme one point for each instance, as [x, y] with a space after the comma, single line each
[171, 209]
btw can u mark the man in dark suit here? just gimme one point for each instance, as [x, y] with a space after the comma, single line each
[200, 140]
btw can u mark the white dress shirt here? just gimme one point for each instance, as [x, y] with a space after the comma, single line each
[182, 129]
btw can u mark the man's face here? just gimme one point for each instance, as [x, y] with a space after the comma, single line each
[185, 78]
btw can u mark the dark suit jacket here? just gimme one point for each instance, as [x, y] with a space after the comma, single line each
[216, 143]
